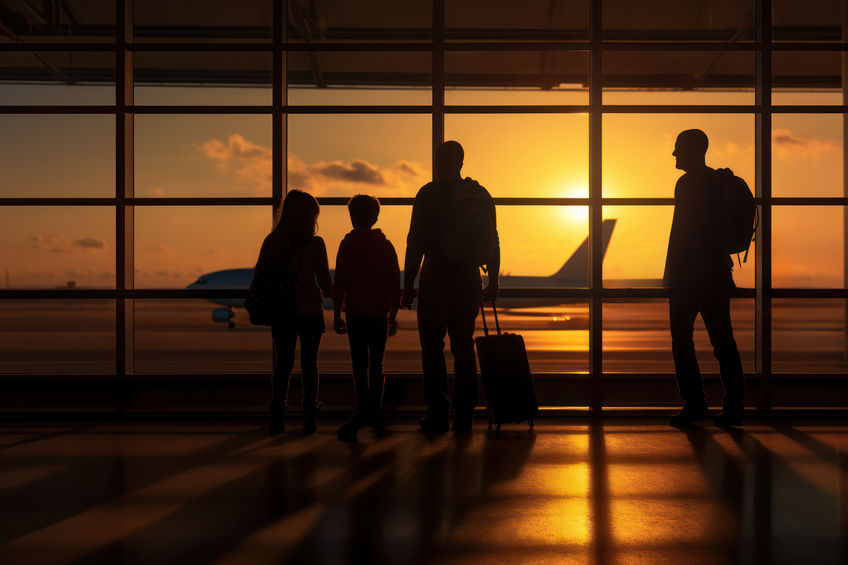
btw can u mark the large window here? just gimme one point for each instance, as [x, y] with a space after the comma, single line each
[148, 144]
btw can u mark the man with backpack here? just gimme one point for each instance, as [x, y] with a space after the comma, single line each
[454, 230]
[698, 273]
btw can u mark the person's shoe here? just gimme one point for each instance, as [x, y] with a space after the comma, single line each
[309, 425]
[688, 415]
[462, 423]
[348, 430]
[728, 418]
[434, 425]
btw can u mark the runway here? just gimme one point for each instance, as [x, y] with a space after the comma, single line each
[178, 336]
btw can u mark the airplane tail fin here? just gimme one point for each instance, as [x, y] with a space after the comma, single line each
[577, 266]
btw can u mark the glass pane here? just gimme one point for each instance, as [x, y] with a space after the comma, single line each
[517, 77]
[47, 78]
[365, 20]
[807, 155]
[343, 155]
[336, 78]
[482, 20]
[639, 244]
[57, 337]
[678, 77]
[690, 20]
[58, 156]
[180, 336]
[637, 339]
[89, 21]
[809, 335]
[808, 246]
[202, 21]
[637, 150]
[814, 20]
[525, 155]
[50, 246]
[178, 156]
[807, 77]
[176, 245]
[236, 79]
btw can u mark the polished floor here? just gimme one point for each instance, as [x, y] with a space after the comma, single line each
[571, 491]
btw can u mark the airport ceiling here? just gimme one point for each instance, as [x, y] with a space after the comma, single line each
[320, 22]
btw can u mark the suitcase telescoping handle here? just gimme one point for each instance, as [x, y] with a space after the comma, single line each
[495, 311]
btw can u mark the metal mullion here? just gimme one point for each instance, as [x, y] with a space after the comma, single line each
[93, 110]
[359, 109]
[809, 109]
[610, 45]
[109, 47]
[678, 109]
[199, 109]
[763, 264]
[58, 201]
[596, 252]
[202, 201]
[517, 109]
[438, 88]
[278, 112]
[201, 47]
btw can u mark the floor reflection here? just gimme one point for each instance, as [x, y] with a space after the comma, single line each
[598, 491]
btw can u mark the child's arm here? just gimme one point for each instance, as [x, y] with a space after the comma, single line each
[339, 286]
[393, 284]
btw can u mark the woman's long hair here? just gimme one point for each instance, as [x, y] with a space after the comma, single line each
[297, 221]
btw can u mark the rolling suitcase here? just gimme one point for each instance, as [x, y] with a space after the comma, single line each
[506, 376]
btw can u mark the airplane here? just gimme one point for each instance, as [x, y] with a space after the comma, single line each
[573, 273]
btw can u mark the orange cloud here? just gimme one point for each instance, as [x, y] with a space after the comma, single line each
[251, 163]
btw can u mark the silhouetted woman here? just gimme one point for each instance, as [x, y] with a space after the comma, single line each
[293, 252]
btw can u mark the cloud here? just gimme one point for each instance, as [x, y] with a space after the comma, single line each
[355, 171]
[354, 176]
[788, 145]
[250, 163]
[241, 158]
[51, 242]
[91, 243]
[159, 247]
[58, 243]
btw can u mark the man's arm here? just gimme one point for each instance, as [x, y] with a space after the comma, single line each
[493, 265]
[393, 282]
[339, 289]
[414, 253]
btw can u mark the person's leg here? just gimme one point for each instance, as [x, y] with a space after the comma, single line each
[310, 330]
[715, 310]
[284, 340]
[461, 332]
[682, 310]
[357, 333]
[378, 334]
[432, 327]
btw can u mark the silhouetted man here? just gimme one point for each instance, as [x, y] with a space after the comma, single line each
[699, 278]
[452, 220]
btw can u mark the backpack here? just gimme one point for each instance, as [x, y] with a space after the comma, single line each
[468, 236]
[739, 216]
[271, 301]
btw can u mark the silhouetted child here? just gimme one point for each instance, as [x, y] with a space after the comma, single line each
[367, 286]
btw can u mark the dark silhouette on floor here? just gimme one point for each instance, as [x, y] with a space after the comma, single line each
[454, 229]
[292, 251]
[367, 286]
[699, 278]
